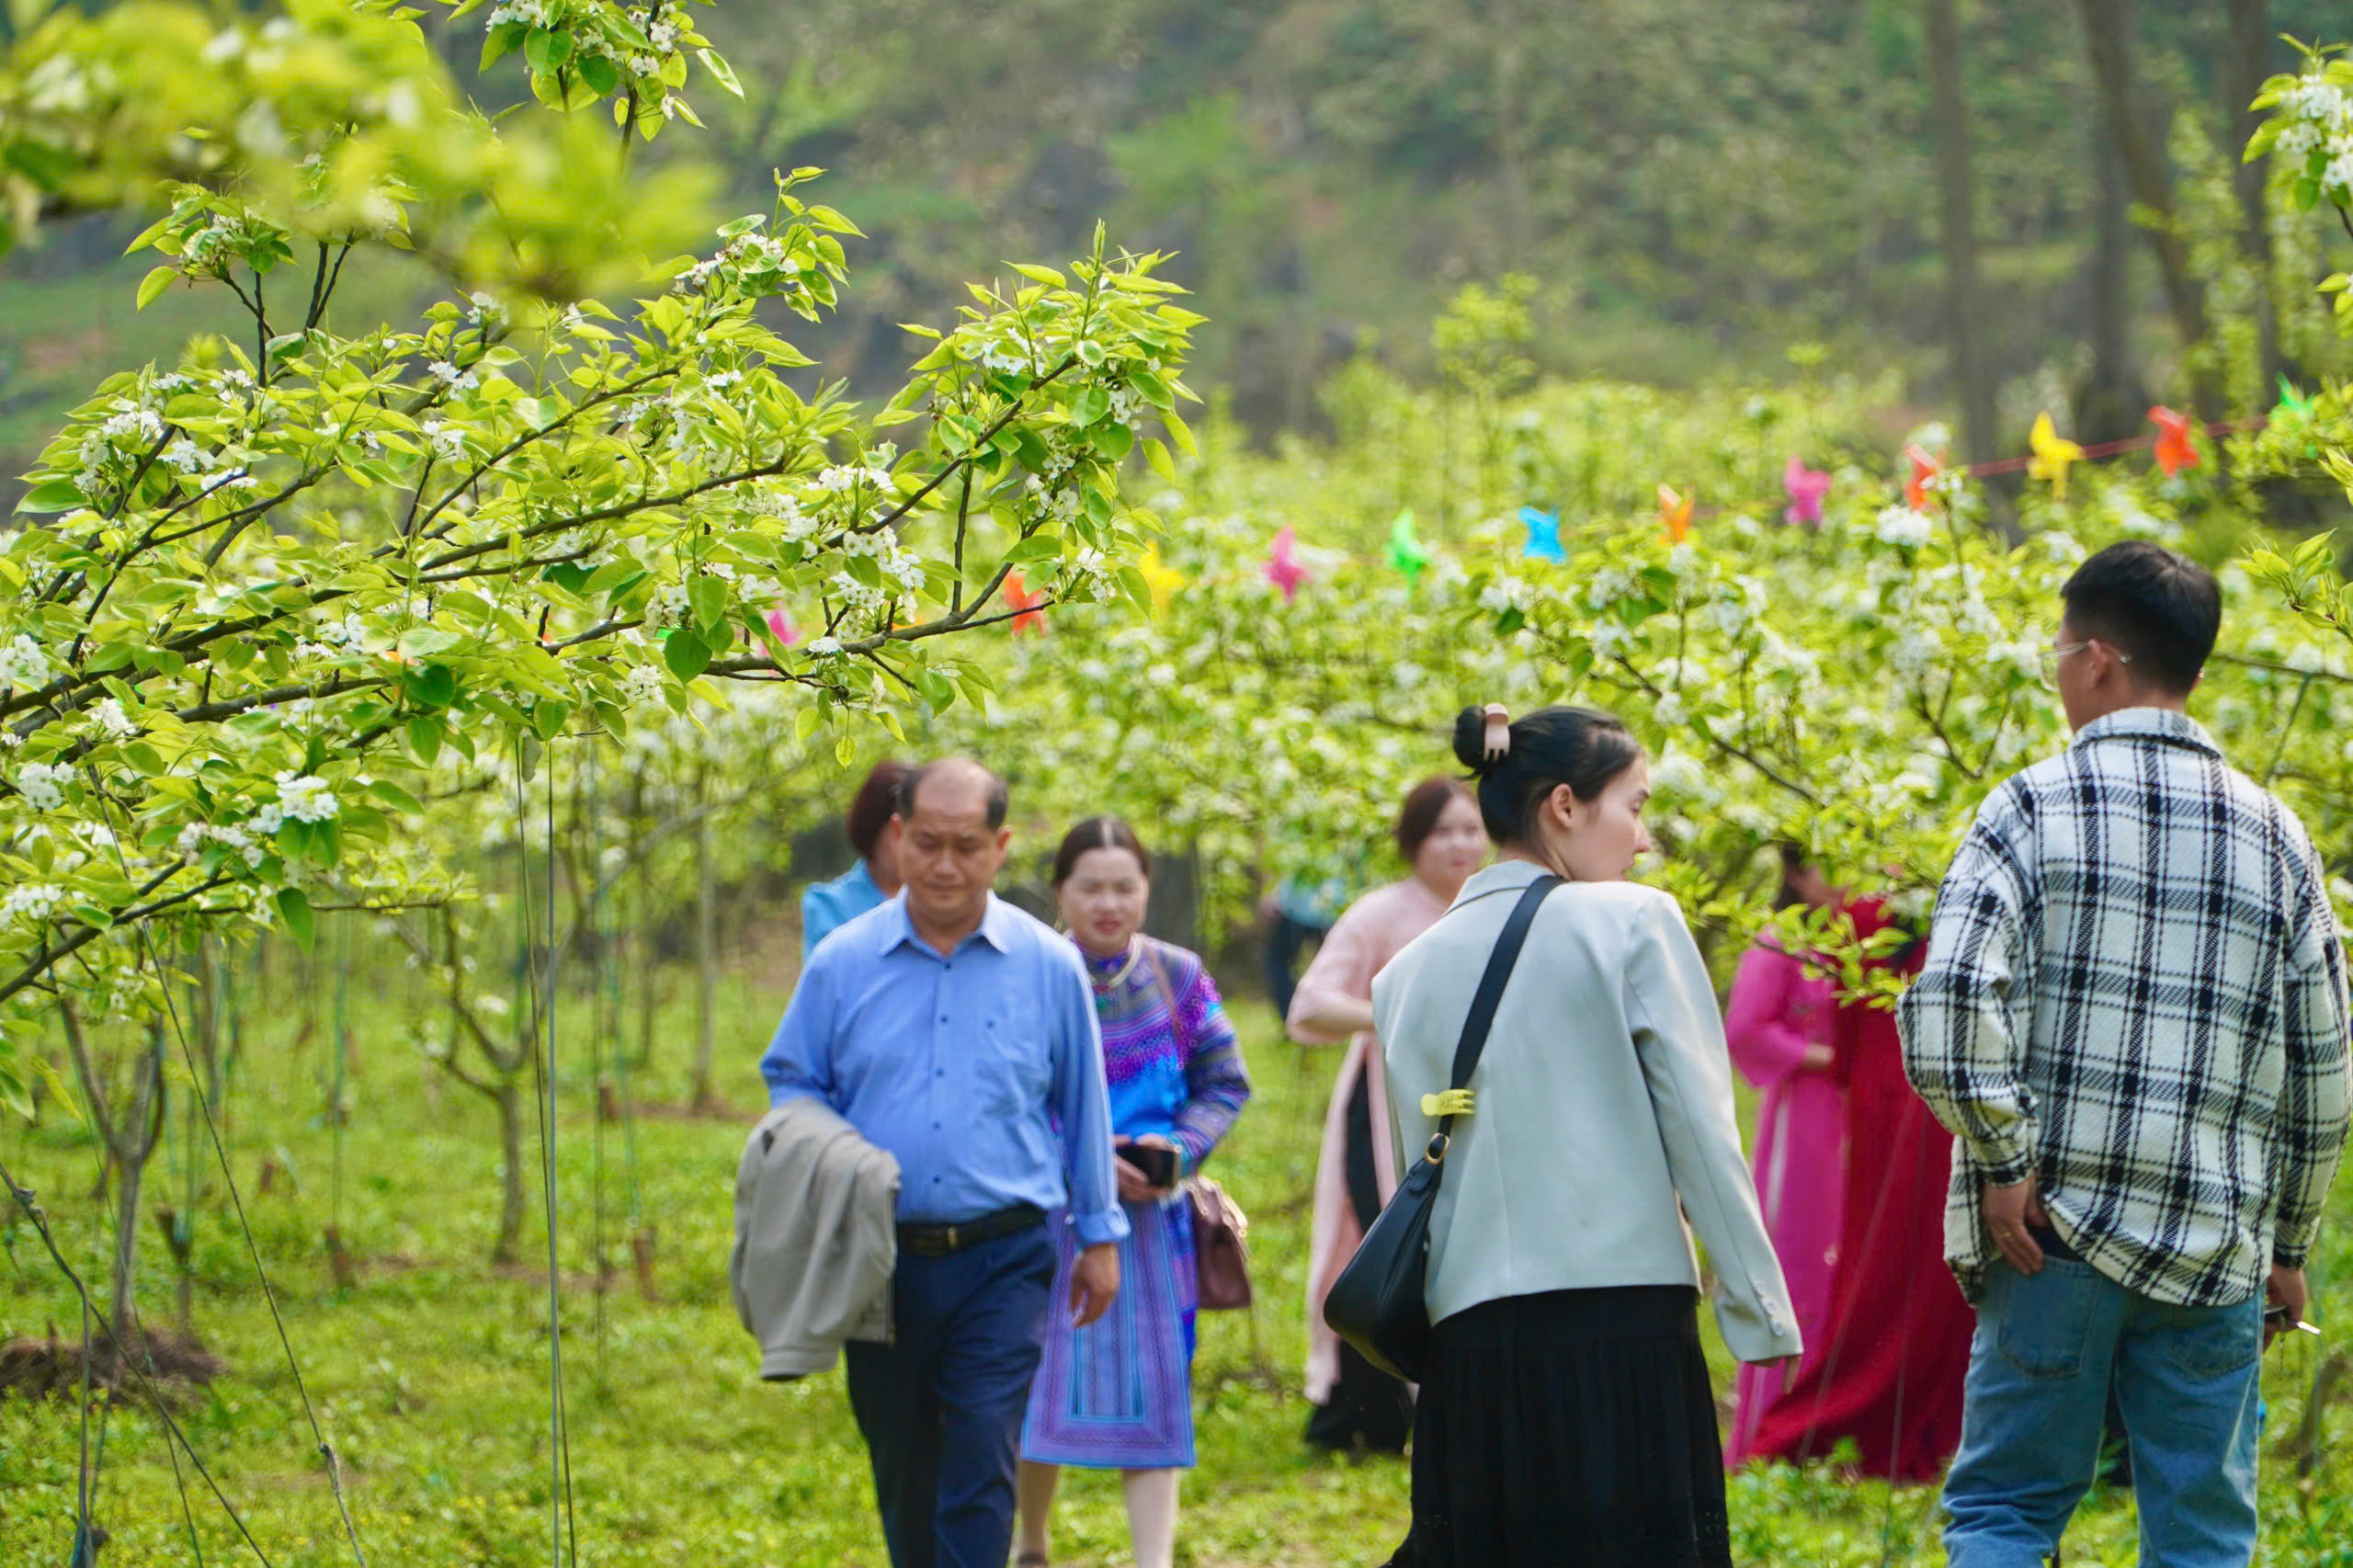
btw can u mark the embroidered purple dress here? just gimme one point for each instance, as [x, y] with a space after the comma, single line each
[1120, 1395]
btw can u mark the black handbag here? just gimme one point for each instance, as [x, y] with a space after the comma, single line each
[1377, 1302]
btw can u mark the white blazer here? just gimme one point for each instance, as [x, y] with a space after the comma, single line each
[1603, 1098]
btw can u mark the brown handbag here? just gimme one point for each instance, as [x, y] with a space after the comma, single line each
[1221, 1229]
[1221, 1248]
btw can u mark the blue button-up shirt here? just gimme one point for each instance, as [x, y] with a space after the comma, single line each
[827, 908]
[981, 1071]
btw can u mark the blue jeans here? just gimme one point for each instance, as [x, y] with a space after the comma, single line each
[940, 1406]
[2186, 1381]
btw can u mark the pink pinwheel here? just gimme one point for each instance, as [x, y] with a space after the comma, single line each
[782, 624]
[1284, 569]
[1806, 487]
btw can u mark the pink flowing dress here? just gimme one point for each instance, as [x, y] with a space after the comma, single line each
[1776, 1011]
[1373, 931]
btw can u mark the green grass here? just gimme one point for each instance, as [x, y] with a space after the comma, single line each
[430, 1374]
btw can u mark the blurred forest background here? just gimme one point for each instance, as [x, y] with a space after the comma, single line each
[2010, 205]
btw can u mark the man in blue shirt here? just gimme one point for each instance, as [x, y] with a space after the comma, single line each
[959, 1034]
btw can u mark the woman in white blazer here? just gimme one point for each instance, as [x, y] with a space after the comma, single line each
[1565, 1418]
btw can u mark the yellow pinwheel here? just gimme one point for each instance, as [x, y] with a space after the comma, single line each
[1160, 579]
[2053, 453]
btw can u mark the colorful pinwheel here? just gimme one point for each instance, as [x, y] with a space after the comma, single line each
[1925, 468]
[1674, 514]
[2053, 453]
[1283, 568]
[1805, 488]
[1543, 535]
[1161, 580]
[1406, 551]
[1030, 607]
[2175, 451]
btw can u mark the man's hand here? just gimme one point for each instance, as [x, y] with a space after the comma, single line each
[1134, 1186]
[2283, 1291]
[2008, 1211]
[1093, 1280]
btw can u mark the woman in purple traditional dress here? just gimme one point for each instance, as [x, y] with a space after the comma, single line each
[1119, 1395]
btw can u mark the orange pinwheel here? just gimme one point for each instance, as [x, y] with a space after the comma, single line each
[2175, 451]
[1030, 606]
[1674, 514]
[1924, 468]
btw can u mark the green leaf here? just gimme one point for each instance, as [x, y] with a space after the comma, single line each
[547, 50]
[497, 41]
[152, 286]
[548, 717]
[294, 908]
[392, 795]
[600, 73]
[435, 686]
[1114, 441]
[422, 641]
[708, 596]
[424, 738]
[1091, 404]
[686, 655]
[53, 496]
[720, 71]
[1037, 547]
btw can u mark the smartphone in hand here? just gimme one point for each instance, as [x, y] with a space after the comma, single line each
[1158, 1164]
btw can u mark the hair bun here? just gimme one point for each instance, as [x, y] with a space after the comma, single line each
[1470, 740]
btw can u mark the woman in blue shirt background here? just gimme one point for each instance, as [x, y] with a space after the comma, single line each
[875, 879]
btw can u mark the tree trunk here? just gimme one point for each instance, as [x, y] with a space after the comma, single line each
[2112, 402]
[1959, 214]
[132, 1141]
[705, 962]
[1509, 36]
[509, 1096]
[2108, 40]
[2244, 72]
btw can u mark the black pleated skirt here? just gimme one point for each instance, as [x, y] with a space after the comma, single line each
[1572, 1429]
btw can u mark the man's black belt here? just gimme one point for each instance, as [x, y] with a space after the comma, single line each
[939, 1241]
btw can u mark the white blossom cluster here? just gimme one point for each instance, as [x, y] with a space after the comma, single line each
[31, 901]
[750, 255]
[22, 663]
[103, 443]
[2323, 115]
[188, 458]
[1903, 527]
[643, 683]
[196, 835]
[111, 720]
[304, 796]
[42, 784]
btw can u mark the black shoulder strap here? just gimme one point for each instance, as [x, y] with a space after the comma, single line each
[1490, 993]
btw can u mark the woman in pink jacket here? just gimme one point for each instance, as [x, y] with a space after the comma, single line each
[1778, 1026]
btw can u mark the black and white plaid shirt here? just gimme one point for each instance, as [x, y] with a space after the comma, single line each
[2134, 990]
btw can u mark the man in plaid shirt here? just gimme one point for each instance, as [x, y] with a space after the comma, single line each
[2133, 1019]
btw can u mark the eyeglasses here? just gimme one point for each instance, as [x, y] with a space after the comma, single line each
[2051, 657]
